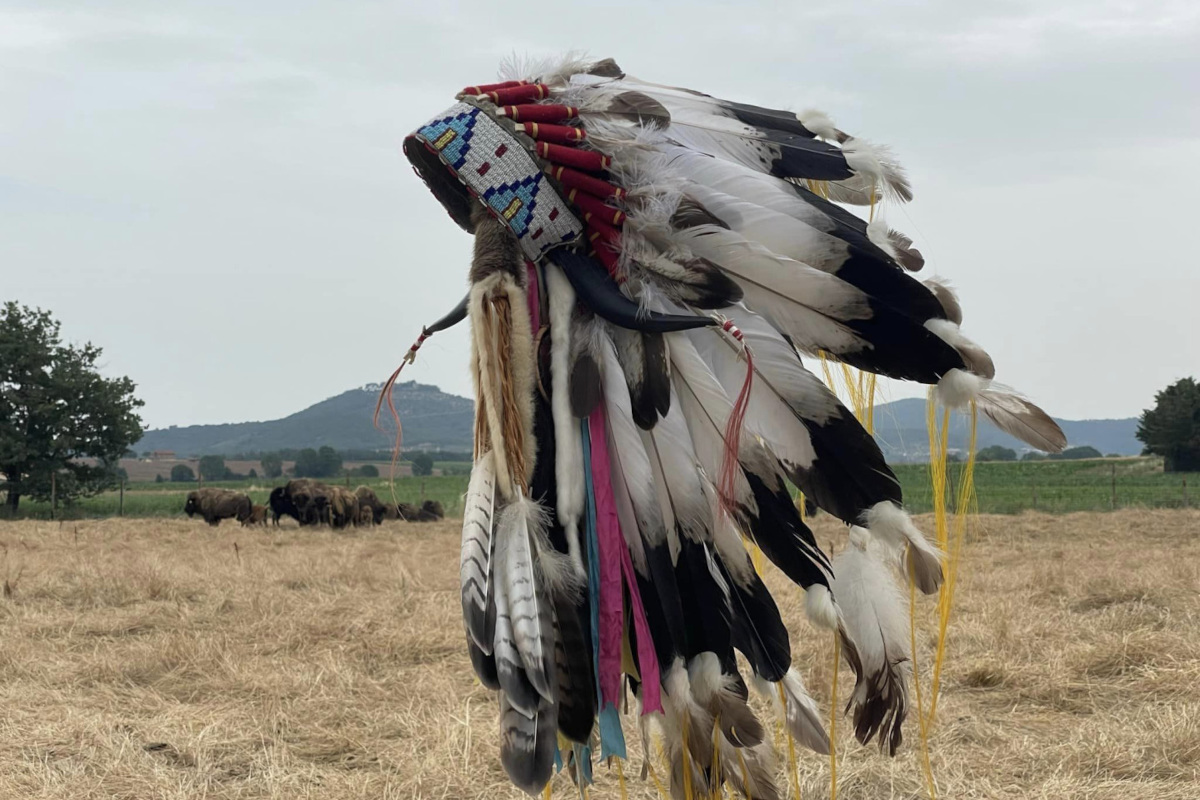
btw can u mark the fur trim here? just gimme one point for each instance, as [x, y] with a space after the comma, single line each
[892, 527]
[820, 124]
[958, 388]
[822, 611]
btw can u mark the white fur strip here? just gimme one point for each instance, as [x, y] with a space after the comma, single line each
[568, 444]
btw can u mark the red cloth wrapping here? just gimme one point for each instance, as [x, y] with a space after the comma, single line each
[519, 94]
[574, 179]
[573, 157]
[490, 87]
[594, 208]
[558, 134]
[537, 113]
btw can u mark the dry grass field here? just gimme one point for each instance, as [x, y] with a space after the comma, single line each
[163, 659]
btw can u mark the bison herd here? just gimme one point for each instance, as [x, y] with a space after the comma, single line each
[308, 502]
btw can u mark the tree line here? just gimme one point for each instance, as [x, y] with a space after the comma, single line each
[64, 426]
[324, 462]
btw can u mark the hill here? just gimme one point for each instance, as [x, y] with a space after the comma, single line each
[432, 419]
[435, 420]
[902, 434]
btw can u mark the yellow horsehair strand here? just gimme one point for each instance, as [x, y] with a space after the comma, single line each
[662, 792]
[621, 780]
[687, 761]
[964, 500]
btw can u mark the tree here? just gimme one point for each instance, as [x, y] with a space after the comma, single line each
[58, 416]
[272, 465]
[422, 464]
[368, 471]
[1034, 455]
[1076, 453]
[1172, 428]
[996, 453]
[158, 478]
[253, 473]
[212, 468]
[182, 473]
[330, 462]
[323, 463]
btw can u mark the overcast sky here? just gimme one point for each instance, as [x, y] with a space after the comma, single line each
[214, 192]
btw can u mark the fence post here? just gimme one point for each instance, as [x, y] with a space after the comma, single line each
[1113, 501]
[1035, 498]
[121, 500]
[1185, 497]
[54, 495]
[422, 490]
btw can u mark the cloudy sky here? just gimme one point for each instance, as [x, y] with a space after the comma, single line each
[215, 193]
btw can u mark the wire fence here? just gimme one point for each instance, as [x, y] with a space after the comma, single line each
[1001, 488]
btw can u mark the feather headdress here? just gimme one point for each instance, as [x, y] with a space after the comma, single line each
[681, 252]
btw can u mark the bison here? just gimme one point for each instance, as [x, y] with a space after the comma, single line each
[215, 505]
[429, 511]
[258, 516]
[311, 500]
[368, 499]
[343, 507]
[282, 505]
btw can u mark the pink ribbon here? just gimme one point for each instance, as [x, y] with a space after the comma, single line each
[615, 565]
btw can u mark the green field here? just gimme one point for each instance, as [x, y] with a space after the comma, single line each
[1060, 486]
[1001, 488]
[167, 499]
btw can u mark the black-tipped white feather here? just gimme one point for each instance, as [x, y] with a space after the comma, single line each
[874, 613]
[822, 447]
[644, 362]
[757, 628]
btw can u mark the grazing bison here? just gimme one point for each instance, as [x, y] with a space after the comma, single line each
[258, 516]
[368, 499]
[366, 516]
[429, 511]
[311, 500]
[282, 505]
[215, 505]
[343, 507]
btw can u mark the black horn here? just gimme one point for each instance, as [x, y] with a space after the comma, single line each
[599, 293]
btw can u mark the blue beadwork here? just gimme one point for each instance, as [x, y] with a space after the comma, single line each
[515, 202]
[454, 149]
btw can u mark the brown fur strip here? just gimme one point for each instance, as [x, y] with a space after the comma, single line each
[502, 354]
[515, 428]
[496, 249]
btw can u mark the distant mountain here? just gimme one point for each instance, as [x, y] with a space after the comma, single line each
[902, 434]
[431, 418]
